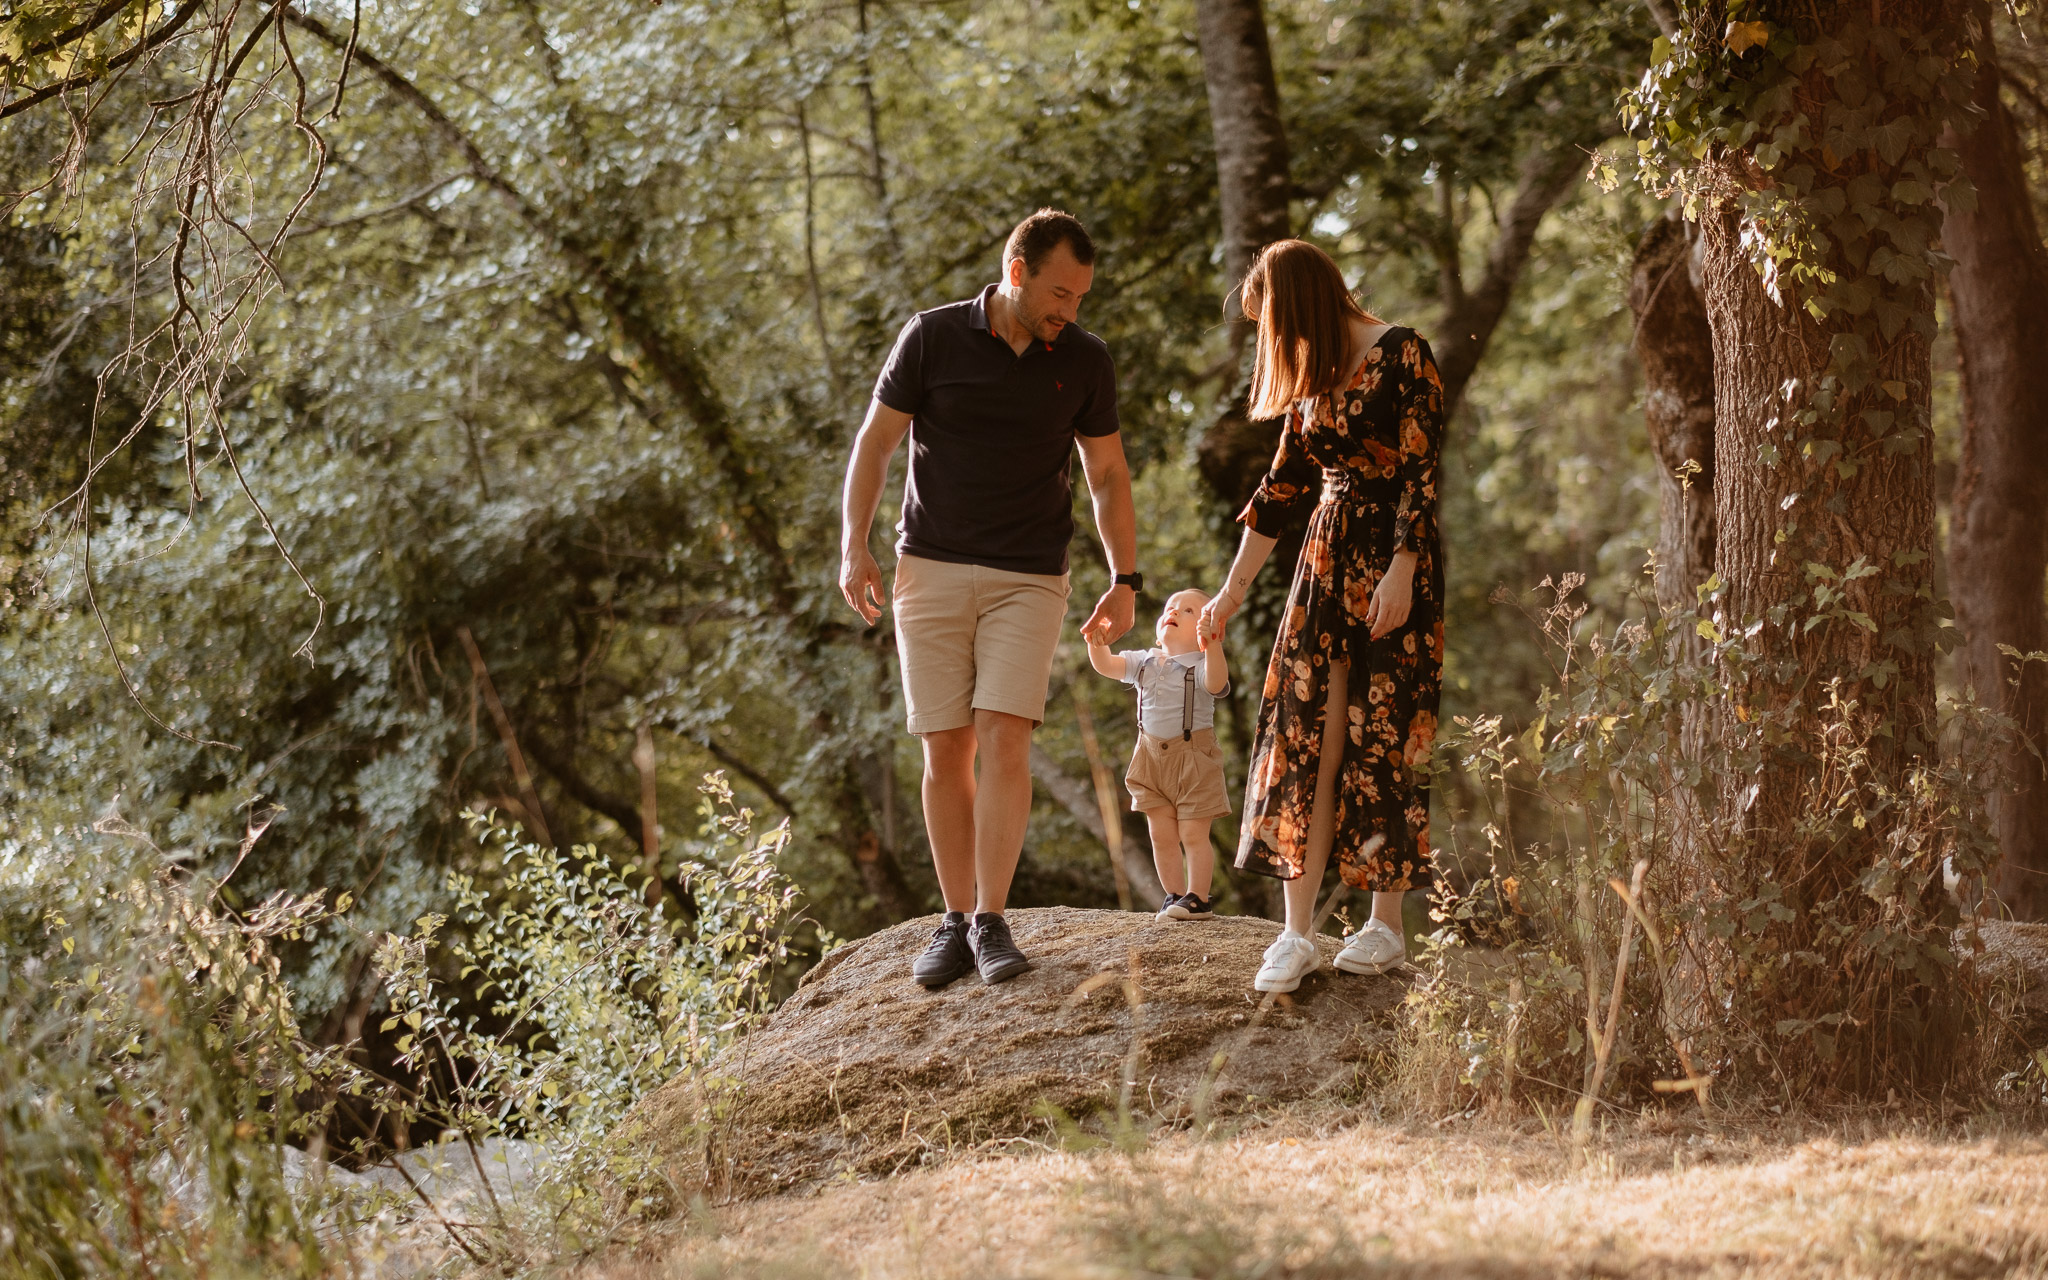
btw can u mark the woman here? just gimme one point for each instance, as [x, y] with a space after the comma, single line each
[1348, 715]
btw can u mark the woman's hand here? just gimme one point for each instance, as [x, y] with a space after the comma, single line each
[1393, 597]
[1215, 614]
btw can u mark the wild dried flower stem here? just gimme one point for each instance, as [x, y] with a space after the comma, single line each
[1603, 1037]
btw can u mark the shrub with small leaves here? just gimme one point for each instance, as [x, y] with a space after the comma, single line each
[594, 998]
[151, 1071]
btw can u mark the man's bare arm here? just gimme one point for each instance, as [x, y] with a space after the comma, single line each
[1116, 521]
[860, 578]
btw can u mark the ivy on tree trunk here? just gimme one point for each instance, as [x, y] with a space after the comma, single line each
[1804, 138]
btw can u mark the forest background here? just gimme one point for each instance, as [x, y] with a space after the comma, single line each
[464, 431]
[450, 433]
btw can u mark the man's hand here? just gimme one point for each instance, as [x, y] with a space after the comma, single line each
[860, 581]
[1112, 616]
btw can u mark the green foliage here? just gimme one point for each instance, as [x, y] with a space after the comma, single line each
[151, 1071]
[449, 426]
[1873, 118]
[591, 1000]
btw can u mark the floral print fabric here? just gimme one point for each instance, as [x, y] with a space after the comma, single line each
[1370, 450]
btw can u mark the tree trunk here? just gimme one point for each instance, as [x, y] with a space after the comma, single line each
[1829, 696]
[856, 834]
[1548, 174]
[1252, 188]
[1998, 543]
[1676, 347]
[1251, 143]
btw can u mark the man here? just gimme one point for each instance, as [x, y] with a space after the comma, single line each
[994, 393]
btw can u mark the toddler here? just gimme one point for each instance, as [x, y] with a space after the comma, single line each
[1176, 774]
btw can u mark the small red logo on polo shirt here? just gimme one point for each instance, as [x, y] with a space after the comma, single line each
[1058, 385]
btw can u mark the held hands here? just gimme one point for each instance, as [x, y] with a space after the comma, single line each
[860, 581]
[1393, 597]
[1112, 616]
[1215, 615]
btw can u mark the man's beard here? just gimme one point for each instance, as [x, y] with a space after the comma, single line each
[1037, 323]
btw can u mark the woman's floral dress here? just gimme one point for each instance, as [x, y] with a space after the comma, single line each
[1371, 451]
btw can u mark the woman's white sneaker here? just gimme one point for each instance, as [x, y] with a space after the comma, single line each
[1373, 949]
[1290, 959]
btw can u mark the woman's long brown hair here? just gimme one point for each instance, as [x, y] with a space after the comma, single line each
[1297, 297]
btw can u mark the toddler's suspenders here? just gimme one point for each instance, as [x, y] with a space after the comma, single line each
[1187, 706]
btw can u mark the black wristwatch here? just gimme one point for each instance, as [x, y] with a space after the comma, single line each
[1135, 581]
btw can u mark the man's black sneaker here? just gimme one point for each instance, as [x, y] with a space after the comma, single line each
[948, 957]
[1166, 907]
[994, 953]
[1194, 907]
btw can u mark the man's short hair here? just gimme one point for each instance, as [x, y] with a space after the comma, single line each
[1038, 235]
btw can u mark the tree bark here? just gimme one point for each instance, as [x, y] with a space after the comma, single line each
[1675, 344]
[1676, 347]
[1244, 114]
[1252, 189]
[1822, 711]
[1998, 541]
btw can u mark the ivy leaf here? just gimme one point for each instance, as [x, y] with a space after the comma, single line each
[1741, 37]
[1891, 140]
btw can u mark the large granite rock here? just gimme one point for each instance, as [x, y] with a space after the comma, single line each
[864, 1072]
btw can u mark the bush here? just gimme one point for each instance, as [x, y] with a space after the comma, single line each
[150, 1068]
[153, 1081]
[597, 998]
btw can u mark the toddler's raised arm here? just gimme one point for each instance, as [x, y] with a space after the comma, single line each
[1104, 661]
[1215, 667]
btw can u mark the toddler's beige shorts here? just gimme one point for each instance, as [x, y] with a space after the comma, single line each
[1184, 776]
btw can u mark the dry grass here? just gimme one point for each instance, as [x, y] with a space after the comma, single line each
[1309, 1195]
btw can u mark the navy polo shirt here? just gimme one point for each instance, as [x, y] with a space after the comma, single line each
[992, 436]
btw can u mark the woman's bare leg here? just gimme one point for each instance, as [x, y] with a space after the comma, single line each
[1166, 860]
[1322, 824]
[1386, 908]
[1201, 856]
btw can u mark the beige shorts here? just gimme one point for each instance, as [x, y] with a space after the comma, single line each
[1184, 776]
[973, 639]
